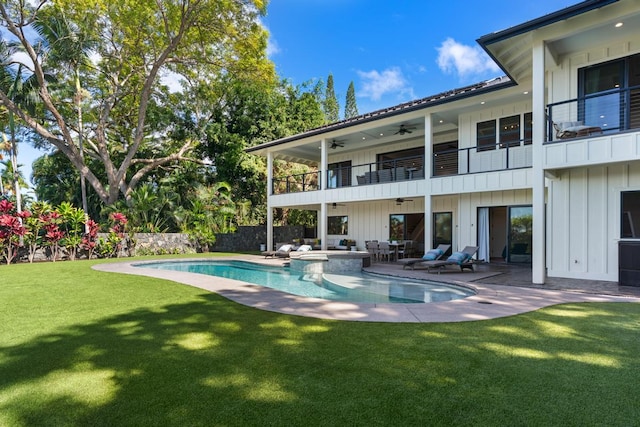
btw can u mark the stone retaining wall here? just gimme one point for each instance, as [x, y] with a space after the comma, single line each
[249, 238]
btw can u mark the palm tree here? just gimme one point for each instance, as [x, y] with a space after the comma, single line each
[69, 45]
[21, 91]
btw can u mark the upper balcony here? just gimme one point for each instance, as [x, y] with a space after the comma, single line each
[447, 161]
[594, 129]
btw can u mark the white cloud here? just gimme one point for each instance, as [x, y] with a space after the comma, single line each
[375, 84]
[454, 57]
[272, 47]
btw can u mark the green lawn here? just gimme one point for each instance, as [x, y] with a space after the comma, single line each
[81, 347]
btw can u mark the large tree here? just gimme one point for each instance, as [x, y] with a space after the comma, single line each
[137, 44]
[351, 107]
[331, 106]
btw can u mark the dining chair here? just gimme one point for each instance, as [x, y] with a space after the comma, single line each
[384, 251]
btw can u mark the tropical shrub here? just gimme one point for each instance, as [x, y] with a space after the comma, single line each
[11, 229]
[72, 224]
[34, 223]
[53, 234]
[112, 245]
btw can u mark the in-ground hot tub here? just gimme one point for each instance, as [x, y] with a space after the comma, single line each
[329, 261]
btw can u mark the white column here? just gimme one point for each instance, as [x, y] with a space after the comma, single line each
[538, 253]
[323, 164]
[322, 218]
[322, 226]
[428, 168]
[269, 207]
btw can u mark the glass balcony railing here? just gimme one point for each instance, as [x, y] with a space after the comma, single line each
[605, 112]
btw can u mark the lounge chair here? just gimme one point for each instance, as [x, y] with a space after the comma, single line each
[432, 255]
[463, 259]
[281, 252]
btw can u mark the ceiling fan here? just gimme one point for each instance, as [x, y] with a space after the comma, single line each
[335, 205]
[335, 144]
[404, 129]
[400, 200]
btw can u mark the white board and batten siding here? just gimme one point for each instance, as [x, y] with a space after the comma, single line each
[583, 220]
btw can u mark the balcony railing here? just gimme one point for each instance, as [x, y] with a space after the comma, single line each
[485, 158]
[476, 159]
[309, 181]
[604, 112]
[376, 173]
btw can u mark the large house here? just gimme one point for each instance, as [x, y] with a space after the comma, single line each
[540, 166]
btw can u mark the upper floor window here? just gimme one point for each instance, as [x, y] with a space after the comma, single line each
[510, 131]
[486, 135]
[339, 174]
[528, 128]
[610, 94]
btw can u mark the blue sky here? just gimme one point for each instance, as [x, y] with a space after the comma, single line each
[393, 51]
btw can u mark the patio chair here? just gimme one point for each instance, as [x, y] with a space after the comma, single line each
[565, 130]
[432, 255]
[281, 252]
[405, 250]
[384, 175]
[372, 248]
[463, 259]
[384, 251]
[370, 177]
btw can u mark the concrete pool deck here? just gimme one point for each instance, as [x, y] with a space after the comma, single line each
[491, 300]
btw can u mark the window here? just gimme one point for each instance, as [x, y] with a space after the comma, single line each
[406, 164]
[406, 227]
[339, 174]
[338, 225]
[445, 159]
[396, 227]
[610, 94]
[510, 131]
[442, 229]
[630, 221]
[486, 135]
[528, 128]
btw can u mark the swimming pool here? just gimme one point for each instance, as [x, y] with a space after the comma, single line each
[355, 287]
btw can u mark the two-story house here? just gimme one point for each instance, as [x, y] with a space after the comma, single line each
[540, 166]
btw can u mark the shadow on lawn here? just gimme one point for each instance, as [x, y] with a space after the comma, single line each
[214, 362]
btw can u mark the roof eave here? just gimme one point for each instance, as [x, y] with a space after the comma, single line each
[393, 111]
[543, 21]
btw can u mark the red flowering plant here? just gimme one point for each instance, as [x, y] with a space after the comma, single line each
[53, 234]
[90, 239]
[34, 237]
[112, 246]
[11, 229]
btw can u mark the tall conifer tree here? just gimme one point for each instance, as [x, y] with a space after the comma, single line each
[331, 107]
[350, 107]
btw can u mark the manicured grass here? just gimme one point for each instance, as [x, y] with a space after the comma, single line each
[81, 347]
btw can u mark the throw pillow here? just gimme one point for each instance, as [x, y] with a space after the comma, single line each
[432, 255]
[459, 258]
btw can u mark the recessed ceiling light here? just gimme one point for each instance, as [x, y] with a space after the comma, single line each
[482, 103]
[441, 121]
[619, 24]
[364, 137]
[526, 92]
[382, 134]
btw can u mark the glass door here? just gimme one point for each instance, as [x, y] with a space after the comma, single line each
[520, 234]
[442, 229]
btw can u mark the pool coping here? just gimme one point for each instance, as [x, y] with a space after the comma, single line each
[490, 301]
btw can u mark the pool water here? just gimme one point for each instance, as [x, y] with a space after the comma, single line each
[353, 287]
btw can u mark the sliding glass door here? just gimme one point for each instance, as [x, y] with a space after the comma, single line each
[520, 233]
[442, 229]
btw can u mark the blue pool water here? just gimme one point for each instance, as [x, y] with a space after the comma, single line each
[358, 287]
